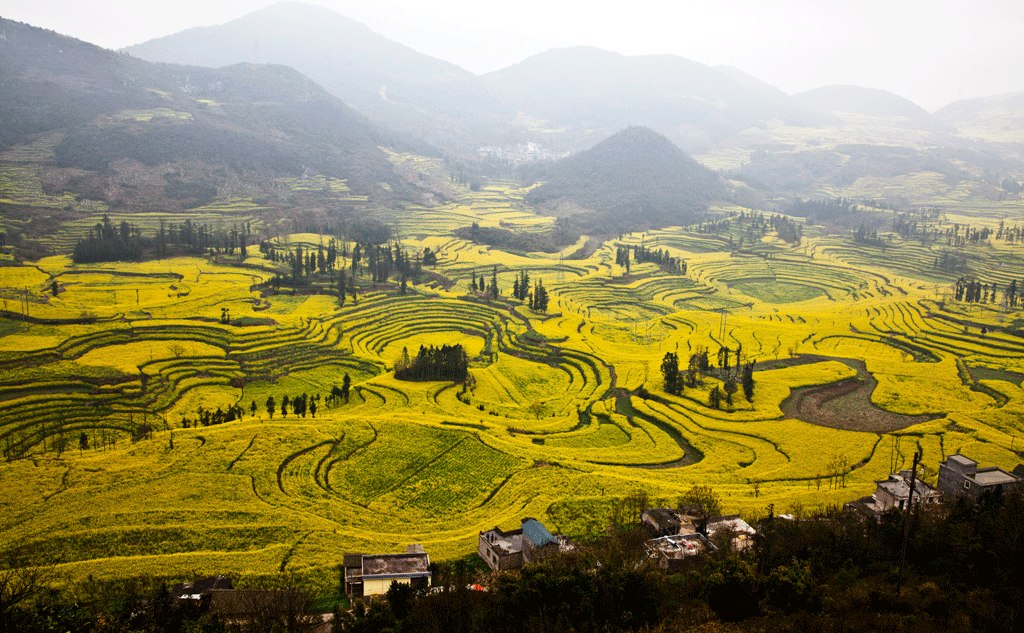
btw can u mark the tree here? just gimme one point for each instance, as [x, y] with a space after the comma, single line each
[346, 384]
[494, 283]
[252, 408]
[715, 397]
[342, 288]
[539, 300]
[670, 373]
[271, 405]
[704, 502]
[284, 406]
[312, 407]
[730, 387]
[748, 381]
[83, 441]
[20, 584]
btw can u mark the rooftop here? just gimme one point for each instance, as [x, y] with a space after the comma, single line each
[898, 485]
[504, 543]
[537, 533]
[994, 477]
[395, 564]
[731, 522]
[679, 546]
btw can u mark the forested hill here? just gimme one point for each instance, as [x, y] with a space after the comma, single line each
[635, 179]
[243, 122]
[392, 84]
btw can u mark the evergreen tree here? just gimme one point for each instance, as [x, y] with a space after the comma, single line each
[494, 283]
[673, 380]
[730, 387]
[271, 406]
[346, 384]
[748, 381]
[715, 397]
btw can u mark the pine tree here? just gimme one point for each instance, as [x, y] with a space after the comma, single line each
[346, 384]
[271, 406]
[494, 283]
[748, 381]
[670, 373]
[715, 397]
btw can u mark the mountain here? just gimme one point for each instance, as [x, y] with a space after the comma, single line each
[130, 132]
[998, 118]
[390, 83]
[636, 178]
[858, 100]
[591, 92]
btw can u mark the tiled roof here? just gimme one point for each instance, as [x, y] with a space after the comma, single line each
[537, 533]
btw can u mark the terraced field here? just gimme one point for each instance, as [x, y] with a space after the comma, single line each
[109, 471]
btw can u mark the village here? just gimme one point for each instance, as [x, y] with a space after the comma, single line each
[673, 538]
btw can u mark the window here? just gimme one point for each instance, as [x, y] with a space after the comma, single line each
[967, 484]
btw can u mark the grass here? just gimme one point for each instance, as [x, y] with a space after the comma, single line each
[567, 412]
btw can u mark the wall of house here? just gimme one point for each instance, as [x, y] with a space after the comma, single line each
[380, 587]
[951, 483]
[496, 561]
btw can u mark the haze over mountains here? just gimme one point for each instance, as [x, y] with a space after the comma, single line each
[298, 90]
[569, 99]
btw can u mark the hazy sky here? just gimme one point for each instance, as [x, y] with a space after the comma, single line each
[930, 51]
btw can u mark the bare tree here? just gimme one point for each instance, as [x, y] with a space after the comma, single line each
[20, 583]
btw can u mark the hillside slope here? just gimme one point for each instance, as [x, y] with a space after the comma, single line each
[388, 82]
[590, 89]
[107, 114]
[636, 178]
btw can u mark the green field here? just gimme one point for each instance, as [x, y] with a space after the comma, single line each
[567, 412]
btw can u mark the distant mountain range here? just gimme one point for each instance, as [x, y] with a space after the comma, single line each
[857, 100]
[411, 93]
[248, 104]
[129, 130]
[568, 98]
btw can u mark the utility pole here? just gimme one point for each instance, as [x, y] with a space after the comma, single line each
[906, 522]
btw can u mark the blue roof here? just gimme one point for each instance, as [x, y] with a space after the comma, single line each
[537, 533]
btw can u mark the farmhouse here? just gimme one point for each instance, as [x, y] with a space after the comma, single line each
[511, 550]
[959, 476]
[741, 532]
[672, 552]
[894, 492]
[666, 521]
[372, 575]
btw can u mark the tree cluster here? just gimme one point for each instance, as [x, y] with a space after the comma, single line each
[674, 379]
[521, 286]
[447, 362]
[539, 297]
[661, 257]
[213, 417]
[975, 291]
[106, 242]
[478, 285]
[551, 240]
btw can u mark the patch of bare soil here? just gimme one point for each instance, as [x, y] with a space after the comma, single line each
[847, 404]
